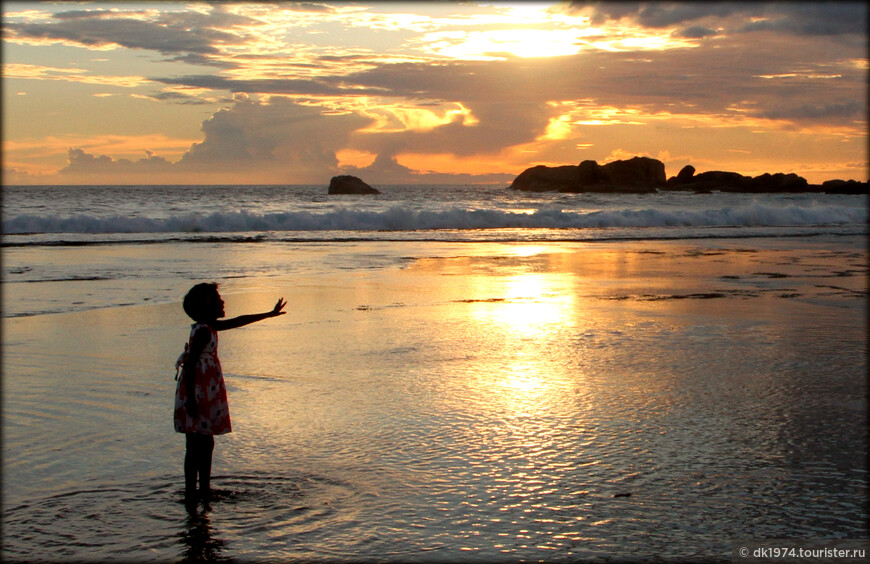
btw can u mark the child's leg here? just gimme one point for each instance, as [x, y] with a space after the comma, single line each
[197, 461]
[191, 465]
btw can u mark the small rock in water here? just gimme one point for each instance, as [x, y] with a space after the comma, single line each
[347, 184]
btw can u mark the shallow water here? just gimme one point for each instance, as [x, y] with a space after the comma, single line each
[444, 402]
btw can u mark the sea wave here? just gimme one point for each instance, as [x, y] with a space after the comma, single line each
[401, 218]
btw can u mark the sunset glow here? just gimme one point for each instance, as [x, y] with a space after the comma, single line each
[427, 92]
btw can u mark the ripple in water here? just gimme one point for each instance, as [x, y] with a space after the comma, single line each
[149, 521]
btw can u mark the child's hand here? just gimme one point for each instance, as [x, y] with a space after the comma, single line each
[278, 307]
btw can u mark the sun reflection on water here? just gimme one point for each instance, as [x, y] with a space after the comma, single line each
[530, 305]
[534, 305]
[523, 381]
[520, 314]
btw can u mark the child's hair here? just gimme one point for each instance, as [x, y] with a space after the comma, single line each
[197, 303]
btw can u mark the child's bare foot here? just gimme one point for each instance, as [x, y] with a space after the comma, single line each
[190, 501]
[205, 495]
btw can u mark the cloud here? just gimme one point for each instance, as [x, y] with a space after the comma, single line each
[176, 97]
[501, 99]
[280, 132]
[848, 110]
[386, 169]
[499, 125]
[83, 167]
[202, 60]
[186, 34]
[278, 141]
[663, 14]
[696, 32]
[508, 97]
[13, 176]
[92, 14]
[766, 66]
[301, 86]
[311, 7]
[118, 145]
[508, 102]
[805, 18]
[123, 32]
[250, 142]
[40, 72]
[799, 18]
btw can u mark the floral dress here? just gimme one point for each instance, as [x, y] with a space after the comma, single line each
[213, 414]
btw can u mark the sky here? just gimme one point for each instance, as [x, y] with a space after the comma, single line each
[427, 92]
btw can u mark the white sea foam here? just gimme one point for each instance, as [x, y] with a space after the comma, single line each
[403, 218]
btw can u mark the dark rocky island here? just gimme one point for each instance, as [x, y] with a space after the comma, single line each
[643, 175]
[640, 174]
[844, 187]
[735, 182]
[346, 184]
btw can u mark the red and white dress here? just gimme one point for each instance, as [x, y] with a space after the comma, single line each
[213, 414]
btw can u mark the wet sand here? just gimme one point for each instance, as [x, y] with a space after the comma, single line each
[448, 401]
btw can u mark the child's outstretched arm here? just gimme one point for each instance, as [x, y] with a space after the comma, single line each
[242, 320]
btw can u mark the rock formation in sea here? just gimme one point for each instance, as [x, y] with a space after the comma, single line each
[736, 182]
[636, 175]
[844, 187]
[644, 174]
[346, 184]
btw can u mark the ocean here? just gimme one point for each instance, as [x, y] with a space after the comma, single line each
[441, 213]
[39, 219]
[465, 373]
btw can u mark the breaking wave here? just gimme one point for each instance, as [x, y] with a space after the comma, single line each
[401, 218]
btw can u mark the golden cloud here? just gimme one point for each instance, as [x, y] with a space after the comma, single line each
[40, 72]
[116, 146]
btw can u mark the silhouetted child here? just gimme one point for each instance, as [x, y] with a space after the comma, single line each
[201, 409]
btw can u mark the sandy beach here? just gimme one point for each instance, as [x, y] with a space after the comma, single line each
[431, 401]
